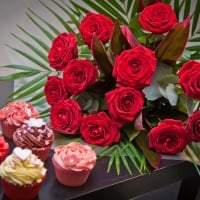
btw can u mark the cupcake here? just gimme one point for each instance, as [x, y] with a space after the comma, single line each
[34, 134]
[13, 115]
[73, 163]
[22, 174]
[4, 148]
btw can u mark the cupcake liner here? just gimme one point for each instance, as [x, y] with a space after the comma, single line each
[8, 129]
[42, 152]
[19, 192]
[69, 177]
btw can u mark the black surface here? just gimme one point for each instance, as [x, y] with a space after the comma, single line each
[102, 185]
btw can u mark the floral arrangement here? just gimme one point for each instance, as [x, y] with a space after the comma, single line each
[135, 92]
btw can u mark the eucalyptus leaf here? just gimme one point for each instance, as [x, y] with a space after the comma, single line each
[152, 92]
[171, 94]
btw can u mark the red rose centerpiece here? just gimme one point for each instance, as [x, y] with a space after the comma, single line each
[124, 85]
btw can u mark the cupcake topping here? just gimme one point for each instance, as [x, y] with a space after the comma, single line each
[22, 167]
[33, 133]
[22, 154]
[16, 112]
[75, 156]
[35, 122]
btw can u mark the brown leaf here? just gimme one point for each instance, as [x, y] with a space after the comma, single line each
[118, 40]
[100, 55]
[171, 48]
[152, 157]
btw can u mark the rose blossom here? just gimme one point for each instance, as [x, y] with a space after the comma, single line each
[193, 127]
[168, 137]
[124, 103]
[99, 129]
[63, 49]
[135, 67]
[157, 18]
[66, 116]
[54, 90]
[189, 76]
[98, 24]
[78, 75]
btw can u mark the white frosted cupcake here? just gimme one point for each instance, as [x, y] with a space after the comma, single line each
[22, 174]
[73, 163]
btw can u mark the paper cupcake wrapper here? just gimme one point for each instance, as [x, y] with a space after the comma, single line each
[18, 192]
[69, 177]
[8, 129]
[42, 152]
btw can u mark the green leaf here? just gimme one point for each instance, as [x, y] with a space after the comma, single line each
[100, 55]
[152, 157]
[118, 41]
[171, 48]
[21, 67]
[196, 17]
[131, 157]
[79, 8]
[109, 11]
[73, 18]
[117, 161]
[121, 154]
[37, 40]
[104, 151]
[132, 8]
[45, 31]
[169, 78]
[60, 19]
[31, 83]
[31, 58]
[30, 90]
[33, 48]
[110, 163]
[130, 131]
[17, 76]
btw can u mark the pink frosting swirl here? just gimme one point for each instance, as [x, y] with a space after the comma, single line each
[16, 112]
[75, 156]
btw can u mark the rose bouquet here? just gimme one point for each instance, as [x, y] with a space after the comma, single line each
[122, 80]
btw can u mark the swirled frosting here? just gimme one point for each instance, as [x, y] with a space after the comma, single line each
[22, 167]
[16, 112]
[33, 133]
[75, 156]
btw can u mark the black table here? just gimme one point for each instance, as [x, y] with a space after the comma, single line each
[102, 185]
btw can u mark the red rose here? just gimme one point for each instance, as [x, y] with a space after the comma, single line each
[54, 90]
[78, 75]
[157, 18]
[189, 76]
[63, 49]
[99, 129]
[98, 24]
[66, 116]
[124, 103]
[193, 127]
[135, 67]
[168, 137]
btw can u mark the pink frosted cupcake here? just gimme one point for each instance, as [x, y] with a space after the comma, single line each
[13, 115]
[22, 174]
[34, 134]
[4, 148]
[73, 163]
